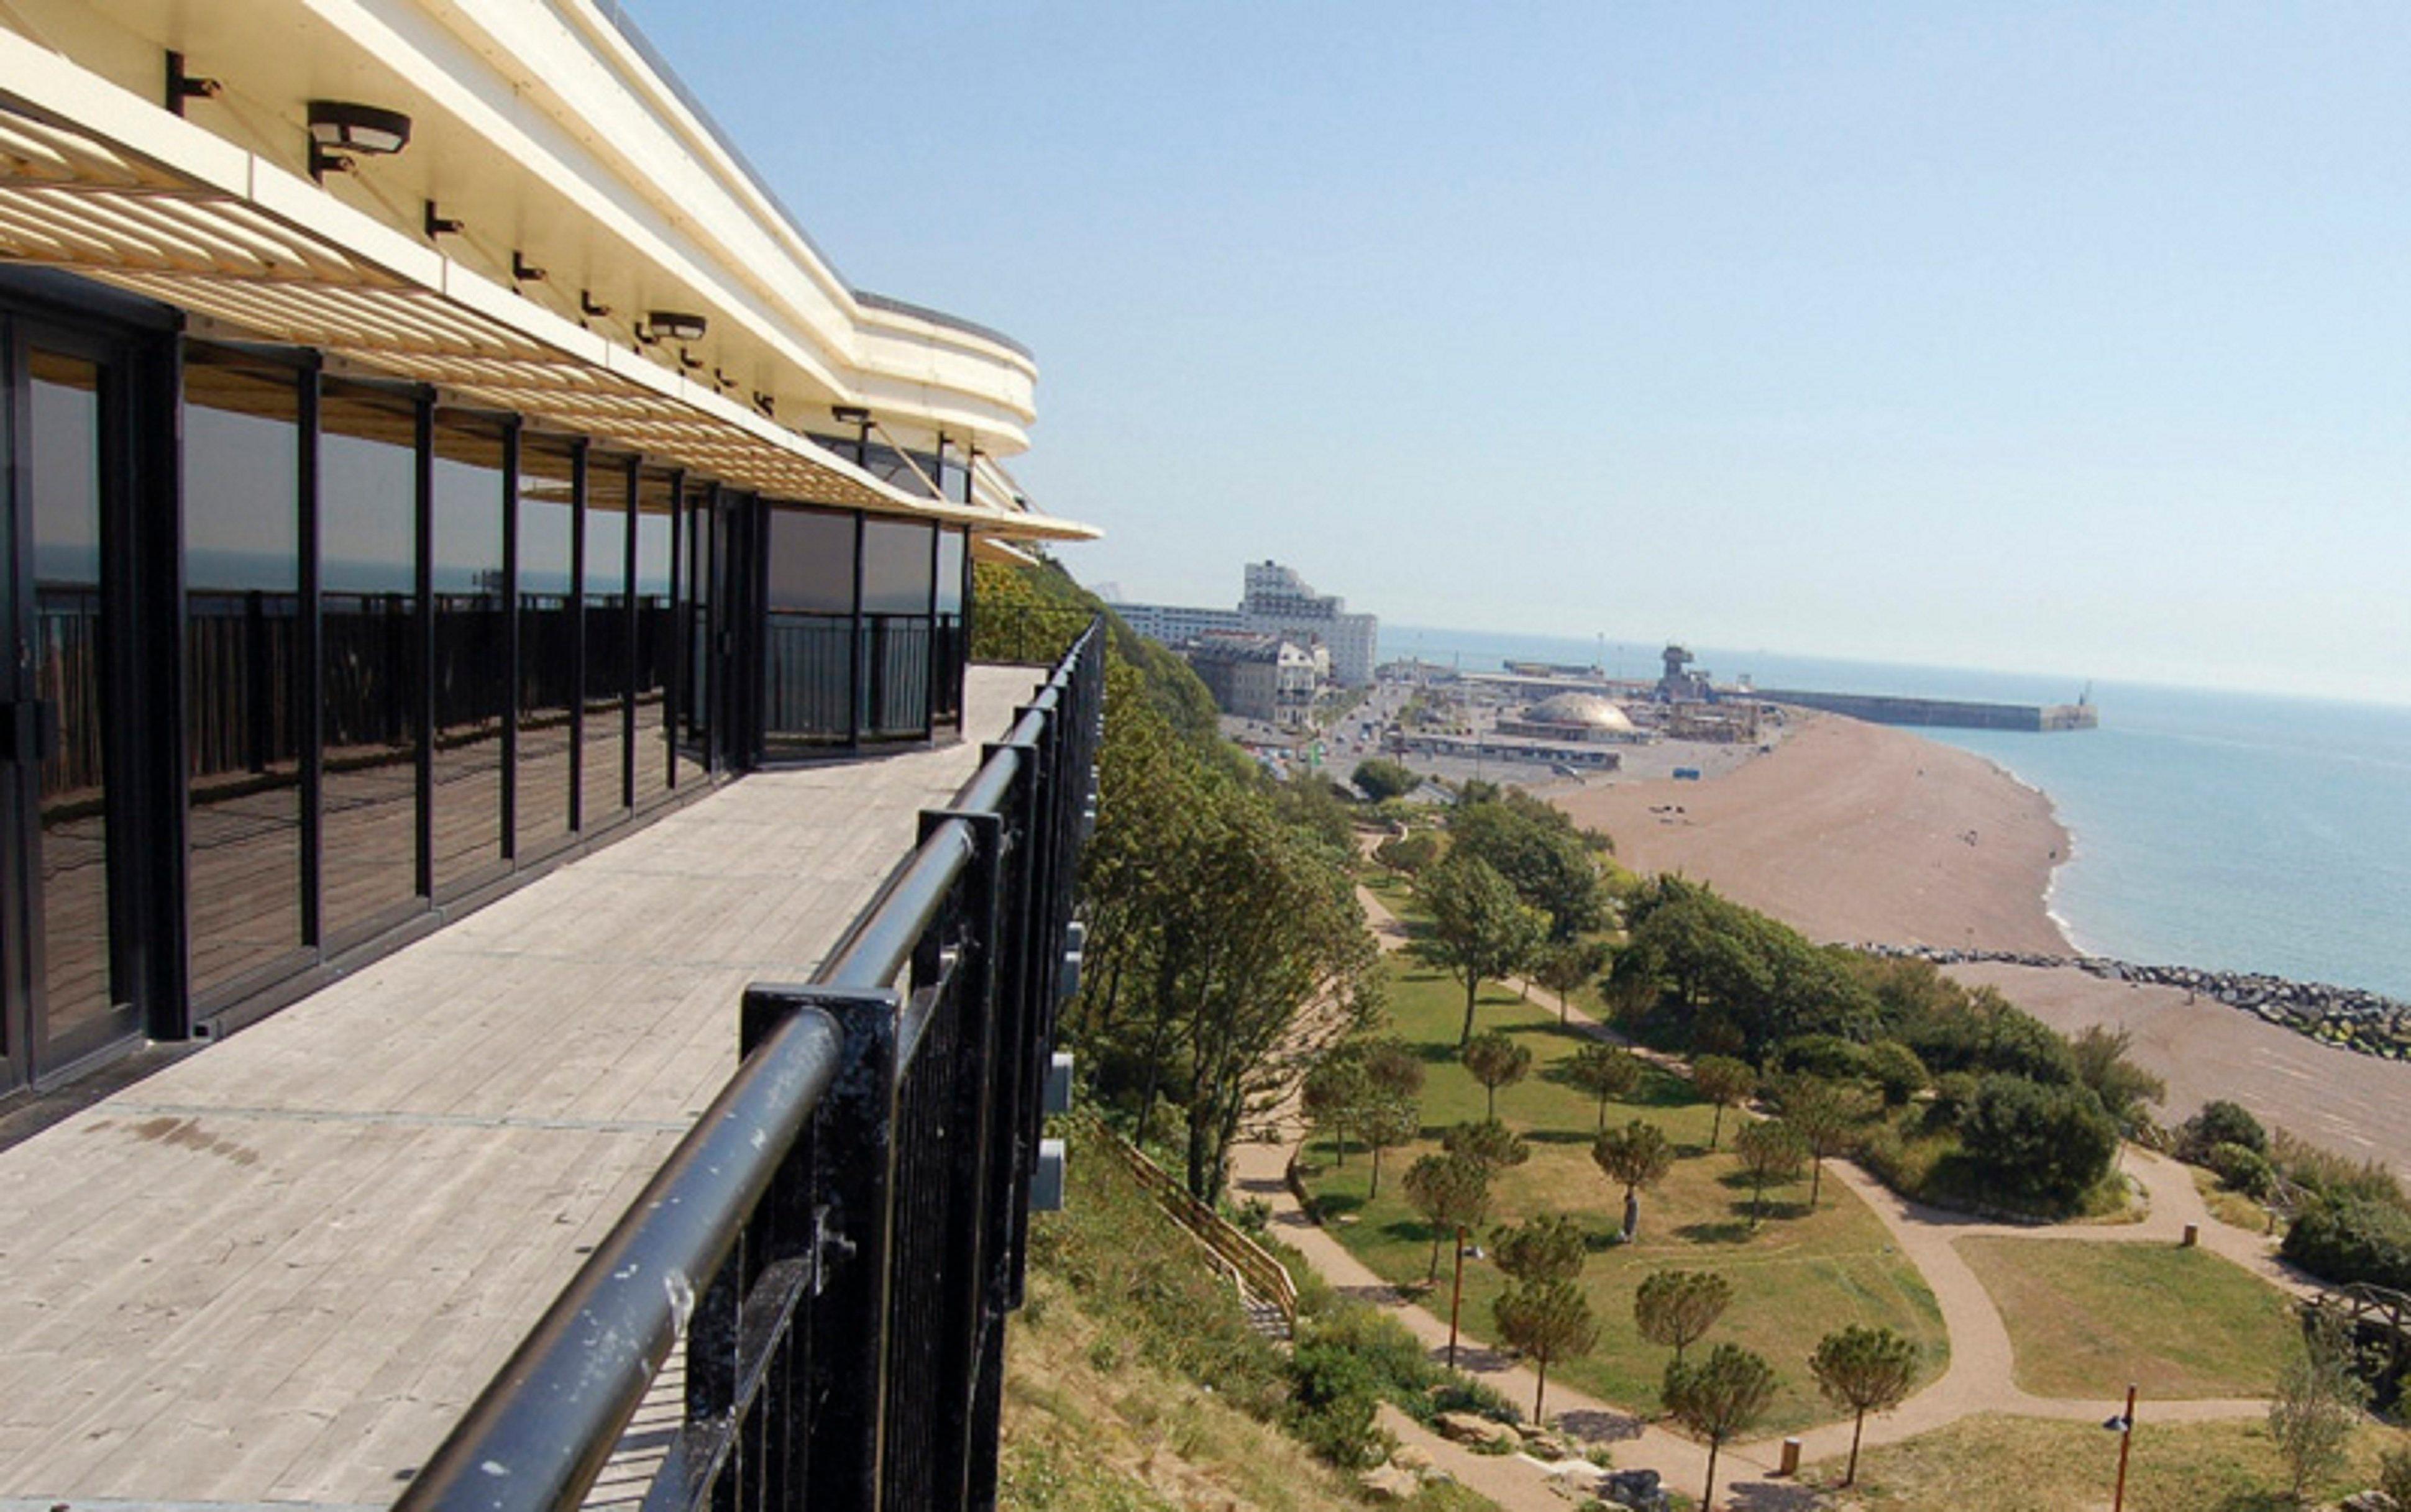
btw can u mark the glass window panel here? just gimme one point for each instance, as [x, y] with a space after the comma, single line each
[472, 686]
[950, 571]
[603, 790]
[696, 563]
[808, 630]
[947, 645]
[895, 630]
[243, 576]
[656, 631]
[368, 554]
[64, 396]
[547, 670]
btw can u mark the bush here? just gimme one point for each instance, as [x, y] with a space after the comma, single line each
[2352, 1240]
[2394, 1474]
[1954, 1093]
[1894, 1068]
[1333, 1399]
[2242, 1168]
[2220, 1122]
[1827, 1056]
[2332, 1177]
[2046, 1143]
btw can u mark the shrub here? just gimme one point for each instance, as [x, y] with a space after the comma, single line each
[1825, 1055]
[2334, 1177]
[2049, 1143]
[2352, 1240]
[1333, 1399]
[2394, 1474]
[1896, 1069]
[2220, 1122]
[2242, 1168]
[1954, 1093]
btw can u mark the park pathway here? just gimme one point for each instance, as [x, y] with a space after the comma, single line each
[1980, 1377]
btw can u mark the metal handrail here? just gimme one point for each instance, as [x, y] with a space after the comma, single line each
[543, 1430]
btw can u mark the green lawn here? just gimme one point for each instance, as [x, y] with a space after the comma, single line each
[1796, 1277]
[2016, 1464]
[2087, 1317]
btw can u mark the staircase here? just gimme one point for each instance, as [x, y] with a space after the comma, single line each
[1263, 1283]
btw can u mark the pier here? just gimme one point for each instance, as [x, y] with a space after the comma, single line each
[1948, 713]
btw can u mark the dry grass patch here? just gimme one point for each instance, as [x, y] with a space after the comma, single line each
[2087, 1317]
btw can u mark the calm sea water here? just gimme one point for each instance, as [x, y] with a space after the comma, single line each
[2213, 829]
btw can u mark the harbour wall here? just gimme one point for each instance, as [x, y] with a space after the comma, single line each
[1954, 714]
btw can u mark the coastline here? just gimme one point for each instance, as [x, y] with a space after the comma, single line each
[1859, 834]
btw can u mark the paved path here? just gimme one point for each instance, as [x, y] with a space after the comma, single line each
[1978, 1379]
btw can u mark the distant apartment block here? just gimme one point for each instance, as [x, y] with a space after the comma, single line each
[1278, 602]
[1259, 675]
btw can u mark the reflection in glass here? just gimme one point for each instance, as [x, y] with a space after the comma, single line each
[66, 479]
[656, 631]
[471, 685]
[947, 642]
[368, 485]
[603, 790]
[697, 565]
[896, 559]
[808, 629]
[547, 670]
[243, 578]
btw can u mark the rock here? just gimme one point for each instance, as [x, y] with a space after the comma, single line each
[1546, 1447]
[1575, 1486]
[2372, 1501]
[1412, 1456]
[1472, 1428]
[1635, 1489]
[1390, 1483]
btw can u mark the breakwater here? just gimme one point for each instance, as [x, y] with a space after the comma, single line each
[2350, 1017]
[1930, 713]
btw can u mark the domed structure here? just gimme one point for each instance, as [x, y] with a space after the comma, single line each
[1586, 711]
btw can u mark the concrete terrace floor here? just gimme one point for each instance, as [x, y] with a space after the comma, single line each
[277, 1270]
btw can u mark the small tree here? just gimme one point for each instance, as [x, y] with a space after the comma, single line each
[1674, 1308]
[1451, 1192]
[1863, 1370]
[1824, 1114]
[1771, 1151]
[1490, 1142]
[1496, 1061]
[1381, 780]
[1547, 1320]
[1385, 1123]
[1479, 928]
[1393, 1067]
[1565, 966]
[1725, 1081]
[1605, 1071]
[2317, 1401]
[1543, 1247]
[1718, 1398]
[1638, 1155]
[1332, 1093]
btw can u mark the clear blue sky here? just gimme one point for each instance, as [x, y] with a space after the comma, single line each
[2064, 338]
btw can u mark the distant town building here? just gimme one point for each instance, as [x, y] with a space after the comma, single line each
[1278, 602]
[1259, 675]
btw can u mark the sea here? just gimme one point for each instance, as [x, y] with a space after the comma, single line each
[2230, 831]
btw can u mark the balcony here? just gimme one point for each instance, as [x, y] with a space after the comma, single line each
[280, 1269]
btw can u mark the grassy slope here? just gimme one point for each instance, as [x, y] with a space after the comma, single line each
[1795, 1278]
[2008, 1464]
[1129, 1369]
[2087, 1317]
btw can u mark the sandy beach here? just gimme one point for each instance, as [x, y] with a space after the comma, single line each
[1853, 832]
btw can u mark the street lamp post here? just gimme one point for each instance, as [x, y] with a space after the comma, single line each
[2124, 1426]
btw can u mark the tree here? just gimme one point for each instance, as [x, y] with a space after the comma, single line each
[1536, 848]
[1393, 1067]
[1563, 966]
[2047, 1144]
[1378, 780]
[1725, 1081]
[1638, 1155]
[1547, 1320]
[1824, 1114]
[1451, 1192]
[1896, 1071]
[1479, 928]
[2318, 1400]
[1496, 1061]
[1332, 1093]
[1605, 1071]
[1863, 1370]
[1408, 854]
[2102, 1063]
[1490, 1142]
[1543, 1247]
[1771, 1151]
[1674, 1308]
[1385, 1123]
[2221, 1122]
[1718, 1398]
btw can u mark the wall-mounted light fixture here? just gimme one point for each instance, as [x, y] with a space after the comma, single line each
[339, 128]
[672, 325]
[183, 86]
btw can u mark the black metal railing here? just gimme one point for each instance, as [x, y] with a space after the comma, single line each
[837, 1242]
[1019, 632]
